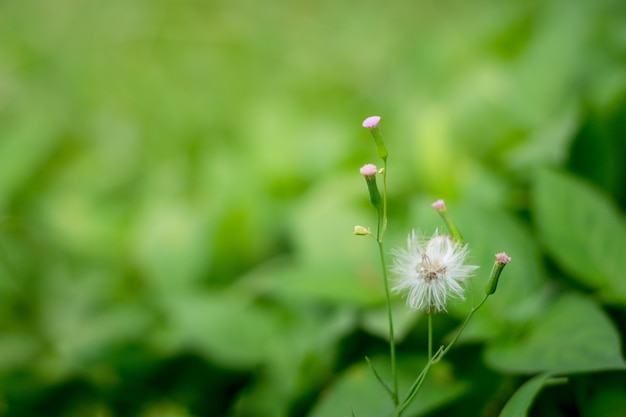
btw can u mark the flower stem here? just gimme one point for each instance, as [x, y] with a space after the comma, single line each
[382, 227]
[433, 359]
[430, 336]
[416, 386]
[392, 342]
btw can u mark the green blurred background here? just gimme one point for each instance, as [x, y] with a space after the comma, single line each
[179, 183]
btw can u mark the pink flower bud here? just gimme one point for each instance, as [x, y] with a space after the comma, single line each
[439, 205]
[371, 122]
[368, 170]
[502, 258]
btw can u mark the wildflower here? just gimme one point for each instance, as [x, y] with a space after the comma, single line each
[431, 272]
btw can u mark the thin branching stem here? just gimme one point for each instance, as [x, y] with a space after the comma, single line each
[433, 359]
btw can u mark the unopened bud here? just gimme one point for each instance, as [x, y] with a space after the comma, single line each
[441, 208]
[371, 123]
[501, 260]
[439, 205]
[369, 172]
[361, 231]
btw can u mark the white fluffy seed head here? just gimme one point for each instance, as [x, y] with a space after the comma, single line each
[431, 271]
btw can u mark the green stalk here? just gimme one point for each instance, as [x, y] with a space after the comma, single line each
[392, 342]
[433, 359]
[382, 227]
[430, 336]
[416, 385]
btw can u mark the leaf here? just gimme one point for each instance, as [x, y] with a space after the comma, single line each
[520, 402]
[301, 358]
[601, 394]
[375, 321]
[583, 231]
[357, 389]
[321, 282]
[225, 327]
[573, 335]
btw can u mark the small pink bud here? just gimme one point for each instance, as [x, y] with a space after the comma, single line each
[502, 258]
[368, 170]
[371, 122]
[439, 205]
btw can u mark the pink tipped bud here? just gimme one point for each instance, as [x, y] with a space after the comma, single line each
[371, 122]
[368, 170]
[502, 258]
[439, 205]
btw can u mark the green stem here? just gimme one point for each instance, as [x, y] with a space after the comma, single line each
[392, 342]
[430, 336]
[433, 359]
[382, 227]
[416, 386]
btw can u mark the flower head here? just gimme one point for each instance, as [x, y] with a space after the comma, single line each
[371, 122]
[439, 205]
[368, 170]
[502, 258]
[431, 272]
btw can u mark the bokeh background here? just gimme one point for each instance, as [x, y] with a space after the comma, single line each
[179, 183]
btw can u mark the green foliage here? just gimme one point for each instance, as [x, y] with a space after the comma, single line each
[179, 182]
[571, 335]
[592, 252]
[358, 388]
[520, 403]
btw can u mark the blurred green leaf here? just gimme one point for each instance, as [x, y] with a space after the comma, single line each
[224, 326]
[376, 322]
[601, 395]
[358, 390]
[548, 146]
[572, 335]
[300, 359]
[583, 231]
[519, 404]
[16, 350]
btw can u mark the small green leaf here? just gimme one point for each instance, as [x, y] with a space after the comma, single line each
[520, 402]
[573, 335]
